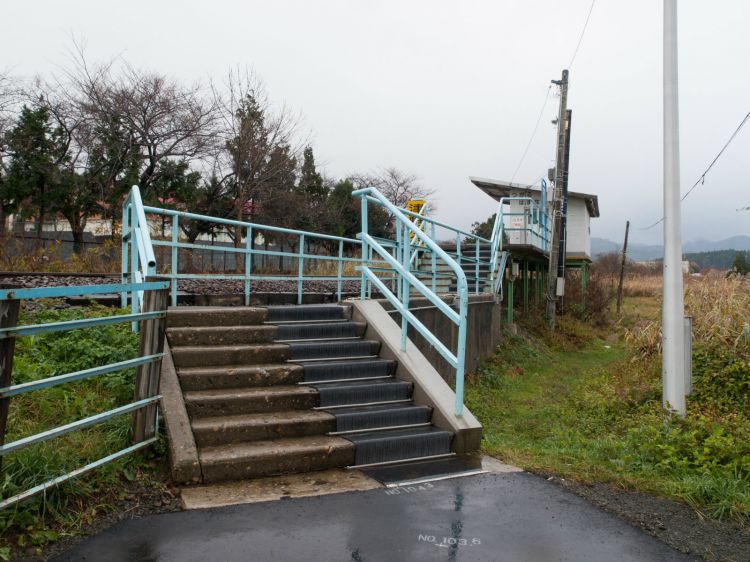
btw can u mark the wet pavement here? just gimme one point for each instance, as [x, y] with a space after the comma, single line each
[490, 517]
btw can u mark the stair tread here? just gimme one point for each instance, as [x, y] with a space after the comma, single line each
[216, 423]
[379, 408]
[396, 434]
[252, 392]
[360, 384]
[233, 369]
[271, 447]
[229, 347]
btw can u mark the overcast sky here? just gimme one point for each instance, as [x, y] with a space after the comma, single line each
[448, 90]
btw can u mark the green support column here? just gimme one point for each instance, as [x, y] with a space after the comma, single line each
[525, 286]
[510, 299]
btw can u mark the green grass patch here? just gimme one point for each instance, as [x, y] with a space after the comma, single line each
[581, 406]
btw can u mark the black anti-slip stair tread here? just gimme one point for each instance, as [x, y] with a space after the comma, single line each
[381, 416]
[352, 393]
[348, 369]
[399, 444]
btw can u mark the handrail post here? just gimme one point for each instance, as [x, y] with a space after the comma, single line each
[405, 286]
[134, 273]
[300, 267]
[476, 268]
[364, 250]
[175, 257]
[340, 272]
[248, 262]
[399, 257]
[461, 351]
[434, 264]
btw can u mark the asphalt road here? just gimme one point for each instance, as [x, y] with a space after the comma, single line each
[490, 517]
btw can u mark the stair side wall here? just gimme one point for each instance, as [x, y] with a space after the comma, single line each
[183, 453]
[430, 388]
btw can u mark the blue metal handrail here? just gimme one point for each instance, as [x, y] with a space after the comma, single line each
[407, 280]
[142, 360]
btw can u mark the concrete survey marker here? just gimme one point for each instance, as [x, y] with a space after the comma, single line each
[509, 516]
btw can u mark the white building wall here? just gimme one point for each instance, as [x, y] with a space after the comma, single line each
[579, 228]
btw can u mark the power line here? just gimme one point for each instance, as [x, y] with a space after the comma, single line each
[701, 180]
[583, 31]
[533, 133]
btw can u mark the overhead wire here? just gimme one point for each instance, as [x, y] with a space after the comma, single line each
[546, 97]
[702, 178]
[533, 133]
[583, 32]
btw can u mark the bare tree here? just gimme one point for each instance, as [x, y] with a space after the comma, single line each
[165, 119]
[254, 133]
[397, 186]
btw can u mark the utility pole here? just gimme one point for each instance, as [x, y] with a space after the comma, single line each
[622, 267]
[673, 308]
[554, 250]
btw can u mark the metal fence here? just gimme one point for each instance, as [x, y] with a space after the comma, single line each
[144, 407]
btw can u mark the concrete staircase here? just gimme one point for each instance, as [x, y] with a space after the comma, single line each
[289, 389]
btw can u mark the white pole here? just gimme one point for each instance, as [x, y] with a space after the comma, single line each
[673, 311]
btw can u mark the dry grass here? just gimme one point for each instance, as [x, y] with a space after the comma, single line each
[642, 286]
[104, 258]
[720, 308]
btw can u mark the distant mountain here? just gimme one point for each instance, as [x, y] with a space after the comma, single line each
[644, 252]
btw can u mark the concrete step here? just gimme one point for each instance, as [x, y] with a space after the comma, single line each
[307, 313]
[304, 351]
[220, 335]
[183, 316]
[320, 331]
[252, 459]
[226, 402]
[240, 376]
[258, 427]
[213, 355]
